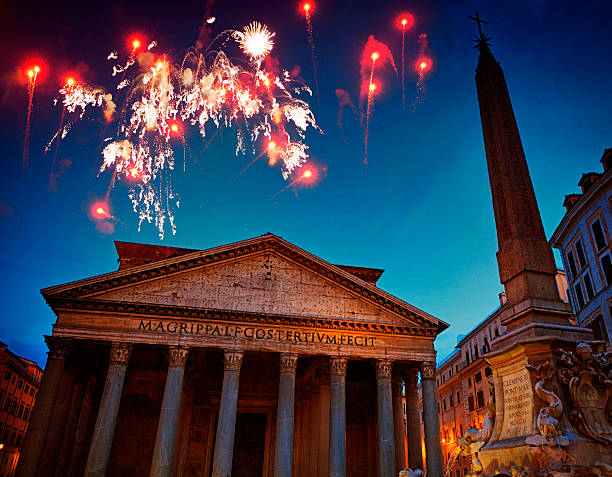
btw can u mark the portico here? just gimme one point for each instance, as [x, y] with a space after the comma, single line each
[255, 358]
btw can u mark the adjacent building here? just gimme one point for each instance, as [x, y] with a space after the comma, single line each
[583, 238]
[19, 381]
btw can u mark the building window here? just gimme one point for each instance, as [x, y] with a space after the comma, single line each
[598, 235]
[580, 253]
[458, 397]
[588, 285]
[27, 388]
[478, 377]
[496, 332]
[606, 266]
[7, 375]
[480, 398]
[20, 412]
[458, 473]
[488, 372]
[450, 398]
[471, 403]
[469, 382]
[572, 264]
[579, 295]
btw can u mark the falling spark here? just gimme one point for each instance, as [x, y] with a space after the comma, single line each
[422, 66]
[255, 40]
[374, 53]
[32, 75]
[205, 90]
[304, 177]
[307, 8]
[406, 22]
[69, 84]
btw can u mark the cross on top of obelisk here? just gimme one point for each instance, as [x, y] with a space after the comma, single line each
[482, 40]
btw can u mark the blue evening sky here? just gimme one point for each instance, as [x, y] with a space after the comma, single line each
[422, 208]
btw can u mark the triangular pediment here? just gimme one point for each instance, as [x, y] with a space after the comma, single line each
[266, 275]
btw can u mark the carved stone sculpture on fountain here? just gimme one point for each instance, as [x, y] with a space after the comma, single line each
[547, 448]
[588, 377]
[473, 440]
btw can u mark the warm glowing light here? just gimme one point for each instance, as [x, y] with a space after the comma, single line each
[267, 82]
[306, 7]
[255, 40]
[271, 145]
[307, 174]
[159, 65]
[31, 74]
[136, 44]
[37, 69]
[1, 446]
[174, 128]
[443, 441]
[405, 21]
[100, 211]
[423, 65]
[134, 172]
[372, 87]
[375, 56]
[70, 81]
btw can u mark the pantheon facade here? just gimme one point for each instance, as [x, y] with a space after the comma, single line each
[252, 359]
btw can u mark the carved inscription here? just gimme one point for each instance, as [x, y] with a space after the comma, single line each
[518, 405]
[253, 332]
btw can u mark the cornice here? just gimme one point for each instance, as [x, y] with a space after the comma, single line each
[123, 278]
[88, 305]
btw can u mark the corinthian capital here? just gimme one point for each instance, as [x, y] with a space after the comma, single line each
[338, 366]
[383, 369]
[428, 371]
[177, 357]
[288, 362]
[58, 347]
[232, 360]
[120, 353]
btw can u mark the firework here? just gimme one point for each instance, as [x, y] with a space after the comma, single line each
[374, 53]
[203, 91]
[422, 66]
[308, 175]
[255, 40]
[32, 74]
[307, 7]
[405, 21]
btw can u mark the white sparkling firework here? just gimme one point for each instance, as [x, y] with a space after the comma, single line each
[255, 40]
[200, 92]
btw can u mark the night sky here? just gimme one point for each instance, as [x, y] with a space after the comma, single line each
[421, 209]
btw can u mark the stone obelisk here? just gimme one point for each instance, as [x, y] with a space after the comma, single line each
[537, 323]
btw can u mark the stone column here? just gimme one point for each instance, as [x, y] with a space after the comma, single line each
[337, 418]
[283, 456]
[413, 421]
[433, 449]
[102, 439]
[386, 441]
[397, 386]
[163, 453]
[226, 426]
[34, 441]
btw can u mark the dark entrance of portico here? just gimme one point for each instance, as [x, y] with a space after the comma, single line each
[249, 445]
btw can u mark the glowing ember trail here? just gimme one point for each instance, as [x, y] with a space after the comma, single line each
[422, 66]
[406, 22]
[307, 8]
[206, 90]
[307, 176]
[32, 75]
[373, 52]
